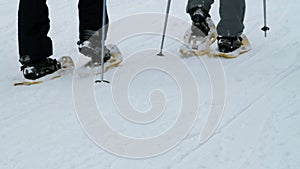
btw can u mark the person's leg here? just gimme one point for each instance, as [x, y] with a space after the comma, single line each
[90, 30]
[90, 17]
[231, 25]
[33, 27]
[35, 46]
[205, 4]
[199, 12]
[232, 14]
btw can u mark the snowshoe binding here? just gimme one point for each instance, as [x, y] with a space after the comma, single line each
[199, 16]
[33, 70]
[231, 47]
[90, 45]
[199, 37]
[40, 72]
[229, 44]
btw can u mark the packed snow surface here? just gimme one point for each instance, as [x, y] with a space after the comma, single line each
[260, 128]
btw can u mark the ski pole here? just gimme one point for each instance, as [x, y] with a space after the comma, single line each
[265, 28]
[165, 29]
[103, 43]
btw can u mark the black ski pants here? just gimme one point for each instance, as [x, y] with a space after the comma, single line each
[34, 24]
[232, 14]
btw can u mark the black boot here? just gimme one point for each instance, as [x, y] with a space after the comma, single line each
[33, 70]
[199, 16]
[229, 44]
[90, 46]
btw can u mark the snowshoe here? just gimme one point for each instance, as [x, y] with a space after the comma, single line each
[229, 44]
[196, 42]
[96, 59]
[59, 68]
[90, 45]
[231, 47]
[113, 58]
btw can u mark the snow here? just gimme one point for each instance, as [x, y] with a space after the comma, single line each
[260, 125]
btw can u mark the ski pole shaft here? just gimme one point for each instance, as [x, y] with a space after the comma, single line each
[103, 38]
[165, 29]
[265, 28]
[104, 26]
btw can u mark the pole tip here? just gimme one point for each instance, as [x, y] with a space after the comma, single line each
[160, 54]
[100, 81]
[265, 29]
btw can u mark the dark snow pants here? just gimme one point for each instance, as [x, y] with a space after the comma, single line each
[232, 13]
[34, 24]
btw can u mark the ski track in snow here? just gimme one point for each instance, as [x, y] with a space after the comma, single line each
[259, 129]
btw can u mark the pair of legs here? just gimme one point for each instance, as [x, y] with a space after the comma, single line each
[232, 14]
[34, 25]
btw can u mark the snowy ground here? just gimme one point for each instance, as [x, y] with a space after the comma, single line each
[260, 126]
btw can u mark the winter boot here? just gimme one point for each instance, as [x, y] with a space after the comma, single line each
[229, 44]
[90, 45]
[33, 70]
[199, 16]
